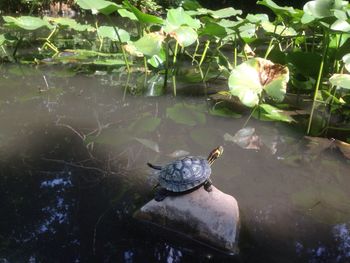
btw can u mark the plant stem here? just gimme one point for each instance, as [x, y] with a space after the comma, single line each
[249, 117]
[120, 44]
[325, 48]
[204, 52]
[166, 64]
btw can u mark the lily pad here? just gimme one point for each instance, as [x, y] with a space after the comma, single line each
[186, 114]
[26, 22]
[150, 45]
[268, 112]
[142, 17]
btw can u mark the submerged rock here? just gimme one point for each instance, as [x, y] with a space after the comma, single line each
[208, 217]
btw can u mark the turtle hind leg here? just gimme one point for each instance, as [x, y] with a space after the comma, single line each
[207, 185]
[161, 194]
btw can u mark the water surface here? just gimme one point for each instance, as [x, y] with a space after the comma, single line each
[72, 172]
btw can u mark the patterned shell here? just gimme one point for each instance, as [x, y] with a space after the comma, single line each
[184, 174]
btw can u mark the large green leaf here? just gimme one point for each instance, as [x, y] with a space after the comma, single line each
[177, 18]
[221, 13]
[26, 22]
[279, 10]
[150, 45]
[109, 32]
[341, 80]
[323, 8]
[142, 17]
[248, 80]
[125, 13]
[98, 6]
[185, 35]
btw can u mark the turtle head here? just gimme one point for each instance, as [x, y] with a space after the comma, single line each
[214, 154]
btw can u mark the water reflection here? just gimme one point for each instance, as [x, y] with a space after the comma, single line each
[72, 172]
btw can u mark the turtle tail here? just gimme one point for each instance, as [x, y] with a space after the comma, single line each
[156, 167]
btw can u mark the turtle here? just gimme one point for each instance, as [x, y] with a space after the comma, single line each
[185, 174]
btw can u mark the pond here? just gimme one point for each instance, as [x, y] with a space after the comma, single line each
[73, 169]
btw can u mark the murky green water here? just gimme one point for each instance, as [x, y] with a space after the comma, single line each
[72, 172]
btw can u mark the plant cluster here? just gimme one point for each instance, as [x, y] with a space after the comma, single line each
[306, 50]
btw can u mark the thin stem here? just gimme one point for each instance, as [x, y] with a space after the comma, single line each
[249, 117]
[166, 64]
[195, 52]
[120, 44]
[204, 52]
[325, 48]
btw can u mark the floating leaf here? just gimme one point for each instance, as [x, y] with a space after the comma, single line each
[268, 112]
[149, 144]
[223, 111]
[341, 80]
[26, 22]
[98, 6]
[144, 124]
[69, 22]
[249, 79]
[109, 32]
[185, 114]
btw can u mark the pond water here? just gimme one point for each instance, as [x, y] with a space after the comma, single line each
[72, 172]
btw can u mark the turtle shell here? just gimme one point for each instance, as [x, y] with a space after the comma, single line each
[184, 174]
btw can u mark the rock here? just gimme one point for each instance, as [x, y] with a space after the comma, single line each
[209, 217]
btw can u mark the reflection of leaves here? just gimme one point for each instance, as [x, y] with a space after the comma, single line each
[204, 136]
[324, 203]
[144, 124]
[224, 111]
[149, 144]
[186, 114]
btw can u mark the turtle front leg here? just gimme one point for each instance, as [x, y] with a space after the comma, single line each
[207, 185]
[161, 194]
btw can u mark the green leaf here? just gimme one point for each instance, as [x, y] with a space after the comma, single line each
[279, 10]
[213, 29]
[278, 30]
[98, 6]
[341, 80]
[68, 22]
[2, 39]
[125, 13]
[109, 62]
[346, 60]
[150, 44]
[307, 63]
[177, 18]
[26, 22]
[143, 18]
[341, 25]
[271, 113]
[185, 114]
[109, 32]
[185, 35]
[224, 111]
[249, 79]
[322, 8]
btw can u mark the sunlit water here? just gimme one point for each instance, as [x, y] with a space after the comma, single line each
[73, 154]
